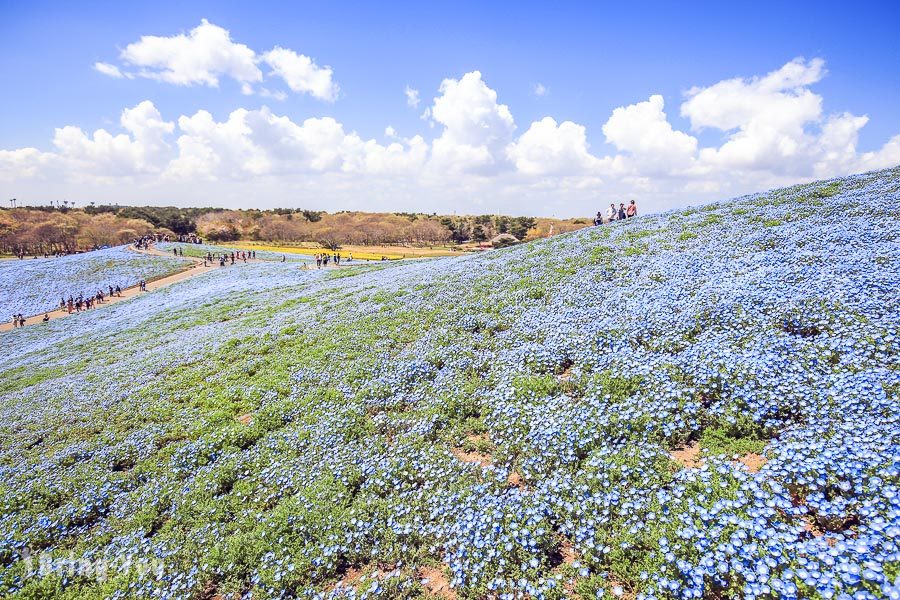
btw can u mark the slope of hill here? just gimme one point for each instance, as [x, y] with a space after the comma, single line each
[696, 404]
[32, 286]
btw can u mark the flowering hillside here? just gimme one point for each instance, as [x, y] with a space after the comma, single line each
[702, 403]
[32, 286]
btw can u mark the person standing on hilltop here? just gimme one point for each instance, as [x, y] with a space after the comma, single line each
[598, 220]
[621, 215]
[631, 211]
[611, 212]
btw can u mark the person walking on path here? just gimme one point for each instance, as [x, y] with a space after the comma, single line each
[46, 317]
[631, 211]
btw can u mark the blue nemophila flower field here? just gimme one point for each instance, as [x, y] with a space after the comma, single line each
[698, 404]
[34, 285]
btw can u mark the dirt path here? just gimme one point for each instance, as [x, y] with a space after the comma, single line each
[193, 270]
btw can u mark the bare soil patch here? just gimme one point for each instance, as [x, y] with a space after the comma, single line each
[754, 462]
[436, 583]
[483, 460]
[689, 456]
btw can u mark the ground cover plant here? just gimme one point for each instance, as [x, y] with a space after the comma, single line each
[34, 285]
[701, 403]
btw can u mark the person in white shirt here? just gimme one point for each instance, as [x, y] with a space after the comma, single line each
[611, 212]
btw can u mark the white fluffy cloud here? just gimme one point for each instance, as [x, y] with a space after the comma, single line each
[476, 130]
[143, 149]
[548, 148]
[301, 73]
[24, 163]
[644, 131]
[768, 118]
[253, 143]
[207, 53]
[198, 57]
[774, 130]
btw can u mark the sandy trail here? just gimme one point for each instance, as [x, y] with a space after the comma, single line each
[195, 268]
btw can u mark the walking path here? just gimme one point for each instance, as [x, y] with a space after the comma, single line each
[193, 270]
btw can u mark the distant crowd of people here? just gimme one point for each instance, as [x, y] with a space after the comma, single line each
[143, 243]
[80, 302]
[617, 214]
[225, 257]
[323, 258]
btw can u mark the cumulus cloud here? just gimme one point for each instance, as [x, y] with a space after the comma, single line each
[259, 142]
[477, 128]
[777, 126]
[24, 163]
[774, 130]
[548, 148]
[143, 149]
[199, 57]
[207, 53]
[301, 73]
[643, 130]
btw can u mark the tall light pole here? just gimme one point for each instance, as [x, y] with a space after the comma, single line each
[12, 202]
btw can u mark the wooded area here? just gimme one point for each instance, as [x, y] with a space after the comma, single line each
[51, 230]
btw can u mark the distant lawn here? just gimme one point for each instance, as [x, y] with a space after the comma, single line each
[358, 252]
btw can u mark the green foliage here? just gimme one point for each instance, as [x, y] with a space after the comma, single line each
[740, 435]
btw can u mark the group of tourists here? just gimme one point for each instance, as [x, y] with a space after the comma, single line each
[323, 258]
[188, 238]
[617, 214]
[225, 257]
[80, 302]
[19, 320]
[76, 304]
[143, 243]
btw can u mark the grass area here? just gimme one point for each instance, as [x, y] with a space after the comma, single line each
[358, 252]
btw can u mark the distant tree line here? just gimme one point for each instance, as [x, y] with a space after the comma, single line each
[52, 229]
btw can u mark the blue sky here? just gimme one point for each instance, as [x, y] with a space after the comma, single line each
[590, 59]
